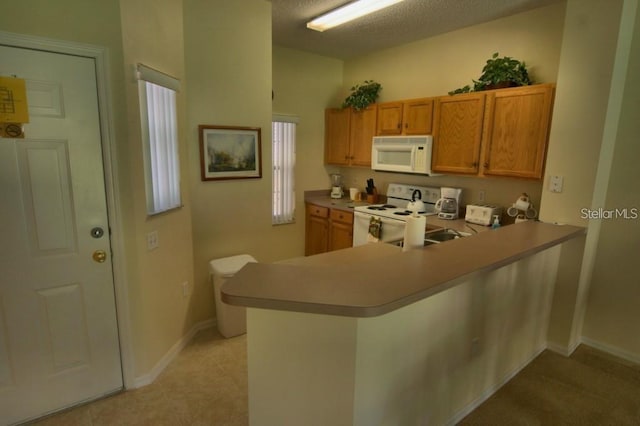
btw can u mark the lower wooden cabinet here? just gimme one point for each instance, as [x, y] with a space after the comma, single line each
[327, 229]
[316, 230]
[340, 229]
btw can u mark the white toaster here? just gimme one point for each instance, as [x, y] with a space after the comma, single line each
[482, 215]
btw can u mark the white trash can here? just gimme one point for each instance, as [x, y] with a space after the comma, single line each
[232, 320]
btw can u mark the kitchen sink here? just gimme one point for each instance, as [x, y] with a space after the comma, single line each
[437, 236]
[443, 235]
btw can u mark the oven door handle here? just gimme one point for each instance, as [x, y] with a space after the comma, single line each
[382, 218]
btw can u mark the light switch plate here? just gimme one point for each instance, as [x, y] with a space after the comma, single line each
[555, 183]
[152, 240]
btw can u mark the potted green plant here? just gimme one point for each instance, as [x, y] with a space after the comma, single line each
[499, 73]
[362, 95]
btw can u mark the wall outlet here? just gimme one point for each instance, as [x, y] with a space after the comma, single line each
[186, 290]
[555, 183]
[481, 196]
[152, 240]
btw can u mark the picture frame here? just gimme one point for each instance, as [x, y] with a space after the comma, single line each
[230, 152]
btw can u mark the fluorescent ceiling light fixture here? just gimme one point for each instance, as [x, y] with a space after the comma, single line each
[348, 13]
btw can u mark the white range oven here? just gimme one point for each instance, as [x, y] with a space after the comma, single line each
[390, 218]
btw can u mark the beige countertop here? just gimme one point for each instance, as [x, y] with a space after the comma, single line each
[377, 278]
[322, 198]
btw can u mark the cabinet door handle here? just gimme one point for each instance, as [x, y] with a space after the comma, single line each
[399, 125]
[486, 164]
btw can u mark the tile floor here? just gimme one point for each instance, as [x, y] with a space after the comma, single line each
[206, 384]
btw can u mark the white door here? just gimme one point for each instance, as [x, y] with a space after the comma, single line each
[58, 331]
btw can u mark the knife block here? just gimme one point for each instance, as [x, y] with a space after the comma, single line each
[373, 197]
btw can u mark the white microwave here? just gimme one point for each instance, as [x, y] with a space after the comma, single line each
[404, 154]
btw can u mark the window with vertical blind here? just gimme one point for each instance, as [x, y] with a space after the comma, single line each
[283, 140]
[157, 92]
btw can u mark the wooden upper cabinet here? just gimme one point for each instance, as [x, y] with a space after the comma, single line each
[500, 132]
[363, 129]
[336, 136]
[390, 118]
[517, 130]
[457, 133]
[348, 136]
[418, 117]
[410, 117]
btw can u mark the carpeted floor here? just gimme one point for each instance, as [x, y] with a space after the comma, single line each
[206, 384]
[590, 388]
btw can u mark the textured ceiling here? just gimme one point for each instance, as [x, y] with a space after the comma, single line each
[401, 23]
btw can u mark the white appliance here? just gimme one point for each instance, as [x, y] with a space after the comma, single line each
[393, 214]
[405, 154]
[481, 215]
[448, 204]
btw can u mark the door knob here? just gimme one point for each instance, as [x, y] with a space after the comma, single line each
[99, 256]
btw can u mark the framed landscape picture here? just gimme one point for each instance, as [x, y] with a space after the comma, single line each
[228, 152]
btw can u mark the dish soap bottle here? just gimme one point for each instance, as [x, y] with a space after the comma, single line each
[496, 222]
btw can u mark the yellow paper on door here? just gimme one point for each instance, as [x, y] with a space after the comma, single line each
[13, 100]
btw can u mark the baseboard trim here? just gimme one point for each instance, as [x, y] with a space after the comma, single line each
[166, 359]
[612, 350]
[561, 349]
[461, 414]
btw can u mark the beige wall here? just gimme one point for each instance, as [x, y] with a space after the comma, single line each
[434, 66]
[582, 138]
[85, 22]
[234, 217]
[303, 84]
[612, 315]
[588, 50]
[160, 314]
[228, 60]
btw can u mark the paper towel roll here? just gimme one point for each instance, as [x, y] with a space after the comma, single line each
[414, 232]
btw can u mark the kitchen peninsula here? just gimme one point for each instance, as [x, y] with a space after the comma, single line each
[373, 335]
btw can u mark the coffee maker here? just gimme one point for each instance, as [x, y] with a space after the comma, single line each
[336, 185]
[448, 204]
